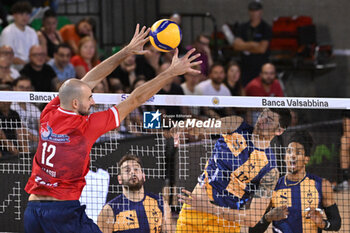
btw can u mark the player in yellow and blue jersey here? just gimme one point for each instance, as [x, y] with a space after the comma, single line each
[134, 211]
[240, 175]
[300, 198]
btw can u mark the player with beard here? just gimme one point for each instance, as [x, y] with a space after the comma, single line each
[239, 178]
[300, 198]
[266, 84]
[134, 210]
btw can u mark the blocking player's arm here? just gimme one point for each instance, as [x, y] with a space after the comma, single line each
[333, 222]
[105, 220]
[178, 66]
[98, 73]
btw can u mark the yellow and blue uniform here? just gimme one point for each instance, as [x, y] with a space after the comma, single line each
[298, 196]
[136, 217]
[231, 176]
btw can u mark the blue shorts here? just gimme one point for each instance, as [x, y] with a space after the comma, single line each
[57, 216]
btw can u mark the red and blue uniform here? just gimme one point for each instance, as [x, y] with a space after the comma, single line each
[62, 158]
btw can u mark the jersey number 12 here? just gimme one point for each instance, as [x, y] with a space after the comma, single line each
[51, 150]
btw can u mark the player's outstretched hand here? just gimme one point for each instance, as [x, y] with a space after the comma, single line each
[139, 39]
[277, 214]
[196, 201]
[180, 66]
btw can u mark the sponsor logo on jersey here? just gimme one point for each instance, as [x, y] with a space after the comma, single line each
[151, 120]
[39, 180]
[47, 134]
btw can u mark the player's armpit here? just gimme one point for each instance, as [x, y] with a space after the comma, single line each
[105, 220]
[267, 184]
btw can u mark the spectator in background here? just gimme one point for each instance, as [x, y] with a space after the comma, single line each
[233, 79]
[202, 46]
[61, 63]
[148, 64]
[214, 86]
[191, 80]
[266, 84]
[5, 71]
[86, 58]
[7, 53]
[18, 35]
[188, 87]
[252, 40]
[124, 74]
[48, 36]
[29, 113]
[100, 88]
[73, 33]
[12, 135]
[42, 76]
[176, 18]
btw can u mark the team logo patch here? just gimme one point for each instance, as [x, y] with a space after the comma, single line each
[151, 120]
[47, 134]
[215, 100]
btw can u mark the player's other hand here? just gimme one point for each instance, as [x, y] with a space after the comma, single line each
[316, 216]
[180, 66]
[277, 214]
[139, 39]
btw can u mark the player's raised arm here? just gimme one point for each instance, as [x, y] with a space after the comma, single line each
[98, 73]
[178, 67]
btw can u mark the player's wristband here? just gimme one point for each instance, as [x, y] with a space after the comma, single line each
[333, 222]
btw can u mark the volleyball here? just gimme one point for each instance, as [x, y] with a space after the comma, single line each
[165, 35]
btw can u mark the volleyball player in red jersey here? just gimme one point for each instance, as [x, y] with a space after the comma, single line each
[67, 133]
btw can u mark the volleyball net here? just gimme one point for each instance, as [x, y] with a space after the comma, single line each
[192, 141]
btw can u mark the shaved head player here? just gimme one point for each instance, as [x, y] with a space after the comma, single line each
[67, 133]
